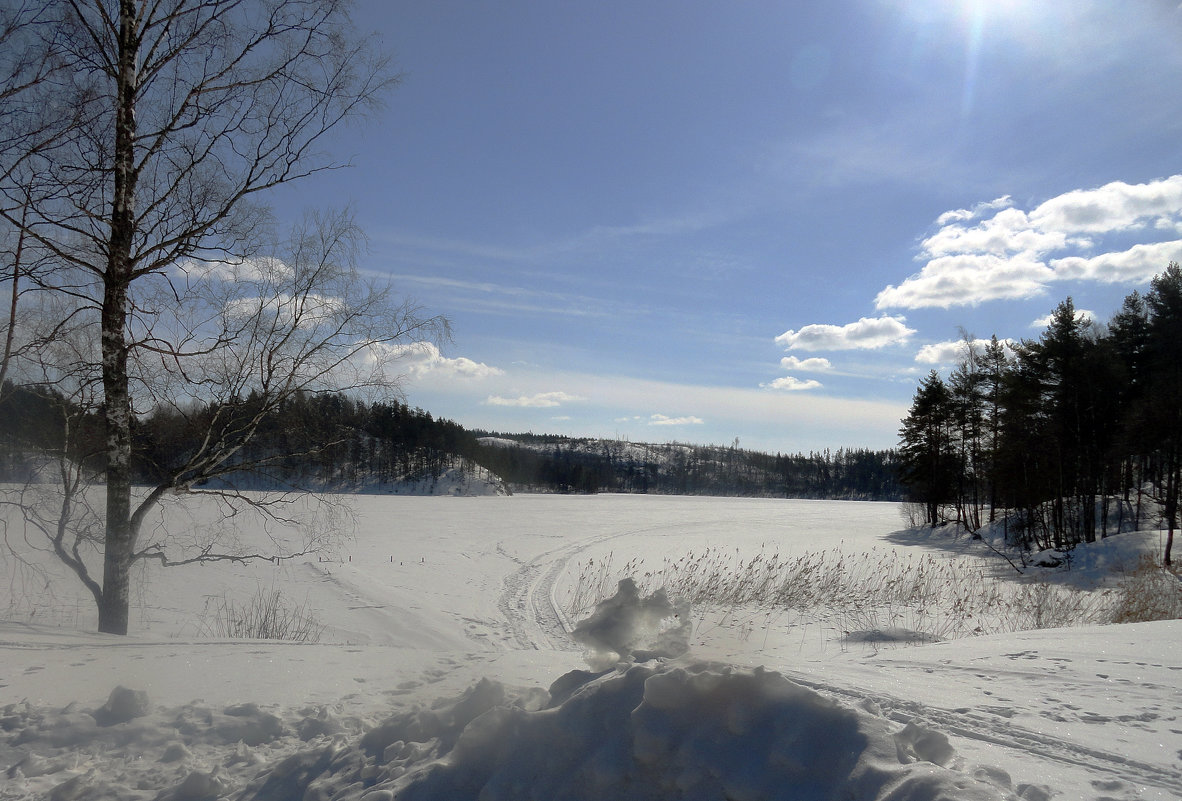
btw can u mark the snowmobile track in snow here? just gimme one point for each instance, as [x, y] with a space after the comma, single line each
[527, 601]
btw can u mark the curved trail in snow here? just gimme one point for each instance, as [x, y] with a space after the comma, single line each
[536, 620]
[527, 601]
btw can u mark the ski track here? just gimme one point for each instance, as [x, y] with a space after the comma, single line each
[527, 603]
[974, 725]
[536, 620]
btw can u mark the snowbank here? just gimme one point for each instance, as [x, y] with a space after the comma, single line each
[651, 732]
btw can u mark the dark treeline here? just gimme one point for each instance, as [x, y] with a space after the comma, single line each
[592, 465]
[1062, 439]
[322, 440]
[334, 441]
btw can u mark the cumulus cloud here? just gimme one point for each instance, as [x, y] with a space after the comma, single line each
[940, 352]
[663, 420]
[968, 279]
[792, 384]
[996, 251]
[1009, 231]
[541, 400]
[420, 358]
[867, 333]
[815, 364]
[1135, 265]
[1114, 206]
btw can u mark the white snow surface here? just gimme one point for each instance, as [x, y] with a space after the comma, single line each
[445, 672]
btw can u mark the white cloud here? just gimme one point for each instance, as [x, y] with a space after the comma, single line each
[662, 420]
[1009, 255]
[952, 351]
[1081, 316]
[815, 364]
[541, 400]
[420, 358]
[940, 352]
[263, 269]
[1009, 231]
[962, 215]
[792, 384]
[968, 279]
[867, 333]
[302, 312]
[1135, 265]
[1112, 207]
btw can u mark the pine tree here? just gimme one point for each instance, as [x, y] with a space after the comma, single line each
[929, 460]
[1161, 412]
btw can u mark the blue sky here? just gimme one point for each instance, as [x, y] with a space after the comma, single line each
[701, 221]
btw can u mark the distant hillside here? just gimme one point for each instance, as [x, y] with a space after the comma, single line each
[332, 441]
[563, 464]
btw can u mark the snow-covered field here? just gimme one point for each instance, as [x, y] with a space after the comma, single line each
[433, 595]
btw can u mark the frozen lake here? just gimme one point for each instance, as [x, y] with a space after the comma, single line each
[445, 572]
[421, 597]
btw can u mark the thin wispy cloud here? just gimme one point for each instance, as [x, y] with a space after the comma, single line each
[664, 420]
[541, 400]
[960, 215]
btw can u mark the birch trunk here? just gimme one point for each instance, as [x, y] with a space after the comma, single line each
[120, 536]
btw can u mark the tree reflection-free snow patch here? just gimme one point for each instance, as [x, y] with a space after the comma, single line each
[651, 732]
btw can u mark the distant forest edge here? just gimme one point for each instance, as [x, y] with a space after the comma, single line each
[333, 441]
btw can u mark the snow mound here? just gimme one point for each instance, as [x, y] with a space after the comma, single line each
[651, 731]
[627, 626]
[192, 752]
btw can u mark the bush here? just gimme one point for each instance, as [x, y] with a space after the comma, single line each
[266, 616]
[1149, 592]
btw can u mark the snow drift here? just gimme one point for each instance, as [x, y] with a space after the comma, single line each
[651, 731]
[628, 627]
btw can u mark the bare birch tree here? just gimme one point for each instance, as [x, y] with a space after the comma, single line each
[137, 177]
